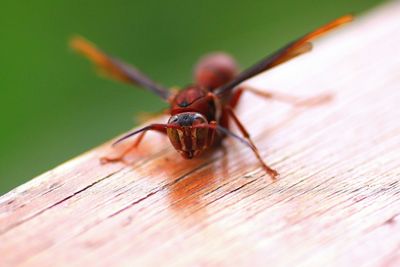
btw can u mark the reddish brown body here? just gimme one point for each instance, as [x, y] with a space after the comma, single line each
[197, 105]
[201, 112]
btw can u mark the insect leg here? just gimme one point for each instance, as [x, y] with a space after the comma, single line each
[237, 94]
[293, 100]
[153, 127]
[273, 173]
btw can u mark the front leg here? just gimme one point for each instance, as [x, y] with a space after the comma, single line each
[273, 173]
[153, 127]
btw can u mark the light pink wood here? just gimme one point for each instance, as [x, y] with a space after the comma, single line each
[337, 202]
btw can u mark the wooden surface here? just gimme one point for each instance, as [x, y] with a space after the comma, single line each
[337, 202]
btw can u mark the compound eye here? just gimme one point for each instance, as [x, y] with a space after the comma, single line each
[199, 119]
[173, 119]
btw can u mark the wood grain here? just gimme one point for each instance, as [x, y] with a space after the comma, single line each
[337, 202]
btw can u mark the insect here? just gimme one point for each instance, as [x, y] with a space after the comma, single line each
[202, 112]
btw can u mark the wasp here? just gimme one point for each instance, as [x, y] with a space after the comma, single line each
[200, 114]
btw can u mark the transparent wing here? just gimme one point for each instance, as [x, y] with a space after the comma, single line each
[116, 68]
[291, 50]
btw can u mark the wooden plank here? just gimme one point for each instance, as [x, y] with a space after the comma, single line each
[337, 202]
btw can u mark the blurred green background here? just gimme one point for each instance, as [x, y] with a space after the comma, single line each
[54, 107]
